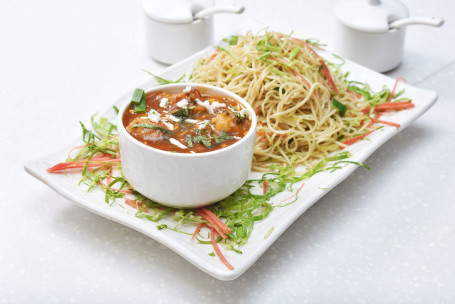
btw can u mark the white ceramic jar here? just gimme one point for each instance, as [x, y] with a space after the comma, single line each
[176, 29]
[372, 32]
[171, 32]
[186, 180]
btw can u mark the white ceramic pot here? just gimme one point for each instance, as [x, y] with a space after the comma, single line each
[187, 180]
[372, 32]
[381, 52]
[171, 42]
[176, 29]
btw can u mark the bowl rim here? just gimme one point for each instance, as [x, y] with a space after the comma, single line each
[224, 92]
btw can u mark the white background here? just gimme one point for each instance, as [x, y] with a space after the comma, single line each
[382, 236]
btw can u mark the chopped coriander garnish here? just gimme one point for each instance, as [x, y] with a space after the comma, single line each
[204, 140]
[189, 141]
[223, 137]
[149, 126]
[182, 112]
[183, 125]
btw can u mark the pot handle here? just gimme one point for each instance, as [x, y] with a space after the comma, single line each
[236, 9]
[433, 21]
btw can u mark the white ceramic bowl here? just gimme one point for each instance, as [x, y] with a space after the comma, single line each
[187, 180]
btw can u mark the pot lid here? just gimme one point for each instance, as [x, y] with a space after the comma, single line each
[174, 11]
[370, 15]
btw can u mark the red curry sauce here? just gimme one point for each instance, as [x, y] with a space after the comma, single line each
[188, 122]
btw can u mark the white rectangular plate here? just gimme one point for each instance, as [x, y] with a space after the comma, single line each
[266, 231]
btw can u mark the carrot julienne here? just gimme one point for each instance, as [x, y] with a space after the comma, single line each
[321, 61]
[118, 190]
[395, 105]
[61, 167]
[293, 195]
[214, 54]
[328, 76]
[394, 88]
[265, 185]
[391, 106]
[354, 93]
[136, 204]
[218, 222]
[216, 227]
[198, 228]
[303, 78]
[356, 139]
[109, 175]
[389, 123]
[218, 251]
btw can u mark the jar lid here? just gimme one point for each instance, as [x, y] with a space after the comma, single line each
[370, 15]
[174, 11]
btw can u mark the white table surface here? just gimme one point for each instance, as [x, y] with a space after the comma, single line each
[382, 236]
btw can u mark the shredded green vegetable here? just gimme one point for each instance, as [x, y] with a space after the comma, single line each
[232, 40]
[240, 211]
[339, 106]
[294, 52]
[162, 80]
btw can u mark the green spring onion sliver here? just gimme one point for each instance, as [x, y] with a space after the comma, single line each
[139, 101]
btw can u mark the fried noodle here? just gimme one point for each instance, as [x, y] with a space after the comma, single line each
[291, 89]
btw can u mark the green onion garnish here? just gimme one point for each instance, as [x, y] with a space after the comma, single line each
[339, 106]
[139, 101]
[294, 52]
